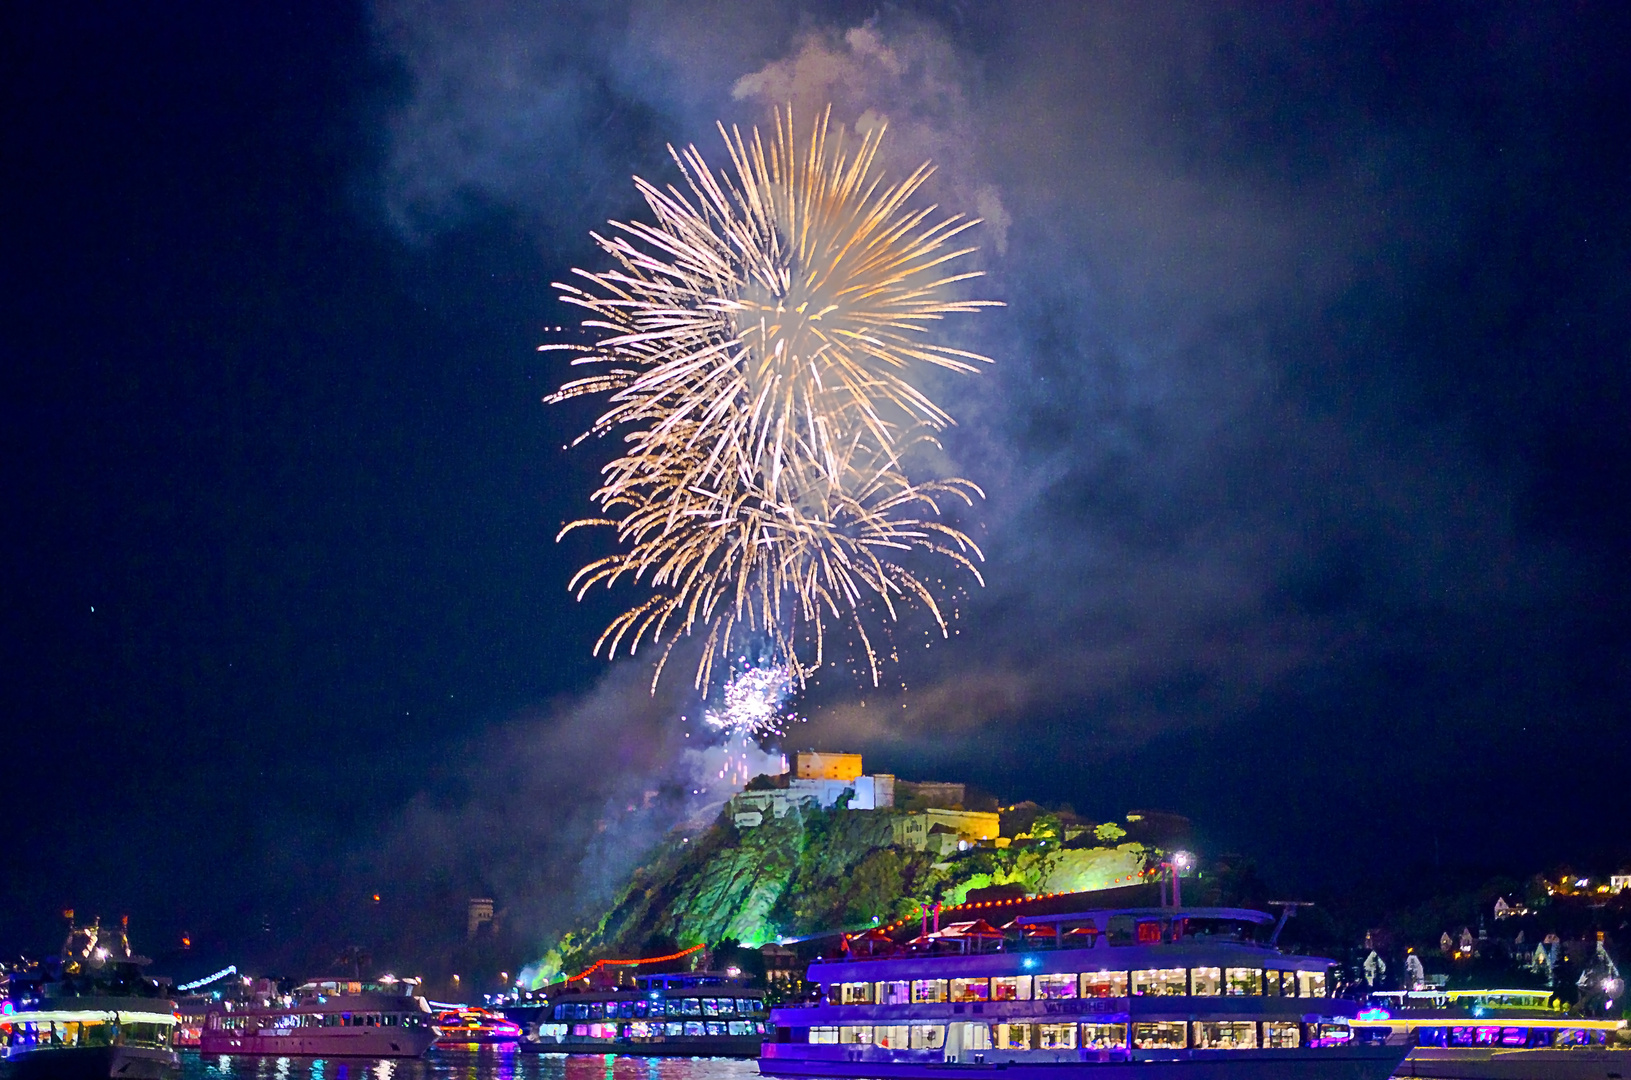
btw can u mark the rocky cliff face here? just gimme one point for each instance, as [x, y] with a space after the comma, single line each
[809, 872]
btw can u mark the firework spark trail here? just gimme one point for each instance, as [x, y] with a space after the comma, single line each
[759, 340]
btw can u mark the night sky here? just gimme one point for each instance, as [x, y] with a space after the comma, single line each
[1308, 444]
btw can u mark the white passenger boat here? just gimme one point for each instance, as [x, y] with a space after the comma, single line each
[326, 1018]
[1197, 993]
[691, 1014]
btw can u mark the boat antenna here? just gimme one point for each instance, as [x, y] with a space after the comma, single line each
[1288, 908]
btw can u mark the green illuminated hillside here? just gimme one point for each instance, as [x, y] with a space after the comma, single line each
[819, 870]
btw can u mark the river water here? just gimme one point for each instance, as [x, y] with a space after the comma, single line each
[484, 1064]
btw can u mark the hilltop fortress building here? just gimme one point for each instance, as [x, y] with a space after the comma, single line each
[931, 815]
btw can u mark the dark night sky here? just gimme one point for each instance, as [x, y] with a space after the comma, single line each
[1307, 445]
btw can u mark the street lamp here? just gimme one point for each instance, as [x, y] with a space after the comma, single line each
[1173, 867]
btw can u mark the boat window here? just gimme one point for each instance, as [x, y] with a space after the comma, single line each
[1122, 930]
[857, 993]
[677, 1027]
[855, 1033]
[718, 1027]
[1056, 1036]
[1161, 982]
[1242, 982]
[1049, 987]
[745, 1006]
[710, 1006]
[1011, 988]
[891, 1036]
[1104, 1036]
[1329, 1034]
[1310, 984]
[1103, 984]
[1151, 932]
[694, 1028]
[894, 993]
[1161, 1035]
[928, 990]
[693, 1006]
[928, 1036]
[1011, 1036]
[976, 1037]
[1279, 1035]
[1513, 1036]
[1206, 981]
[1225, 1035]
[818, 1035]
[971, 989]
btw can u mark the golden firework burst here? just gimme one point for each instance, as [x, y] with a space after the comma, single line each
[759, 344]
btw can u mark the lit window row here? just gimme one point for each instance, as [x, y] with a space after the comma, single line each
[628, 1010]
[1154, 982]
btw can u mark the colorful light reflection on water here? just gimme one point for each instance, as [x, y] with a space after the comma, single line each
[487, 1063]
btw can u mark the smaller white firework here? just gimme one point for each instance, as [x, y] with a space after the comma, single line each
[753, 703]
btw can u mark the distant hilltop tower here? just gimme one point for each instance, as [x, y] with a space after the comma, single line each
[481, 915]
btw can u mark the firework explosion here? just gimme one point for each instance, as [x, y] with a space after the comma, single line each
[753, 703]
[759, 343]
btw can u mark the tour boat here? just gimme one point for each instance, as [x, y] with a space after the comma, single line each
[88, 1013]
[467, 1026]
[1495, 1035]
[1116, 993]
[326, 1018]
[696, 1014]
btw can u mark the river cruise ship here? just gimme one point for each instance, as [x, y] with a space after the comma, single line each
[470, 1026]
[1496, 1035]
[326, 1018]
[697, 1014]
[1198, 993]
[89, 1012]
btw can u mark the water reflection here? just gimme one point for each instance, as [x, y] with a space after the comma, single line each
[484, 1063]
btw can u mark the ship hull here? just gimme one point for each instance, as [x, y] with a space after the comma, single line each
[794, 1062]
[335, 1042]
[1540, 1064]
[93, 1063]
